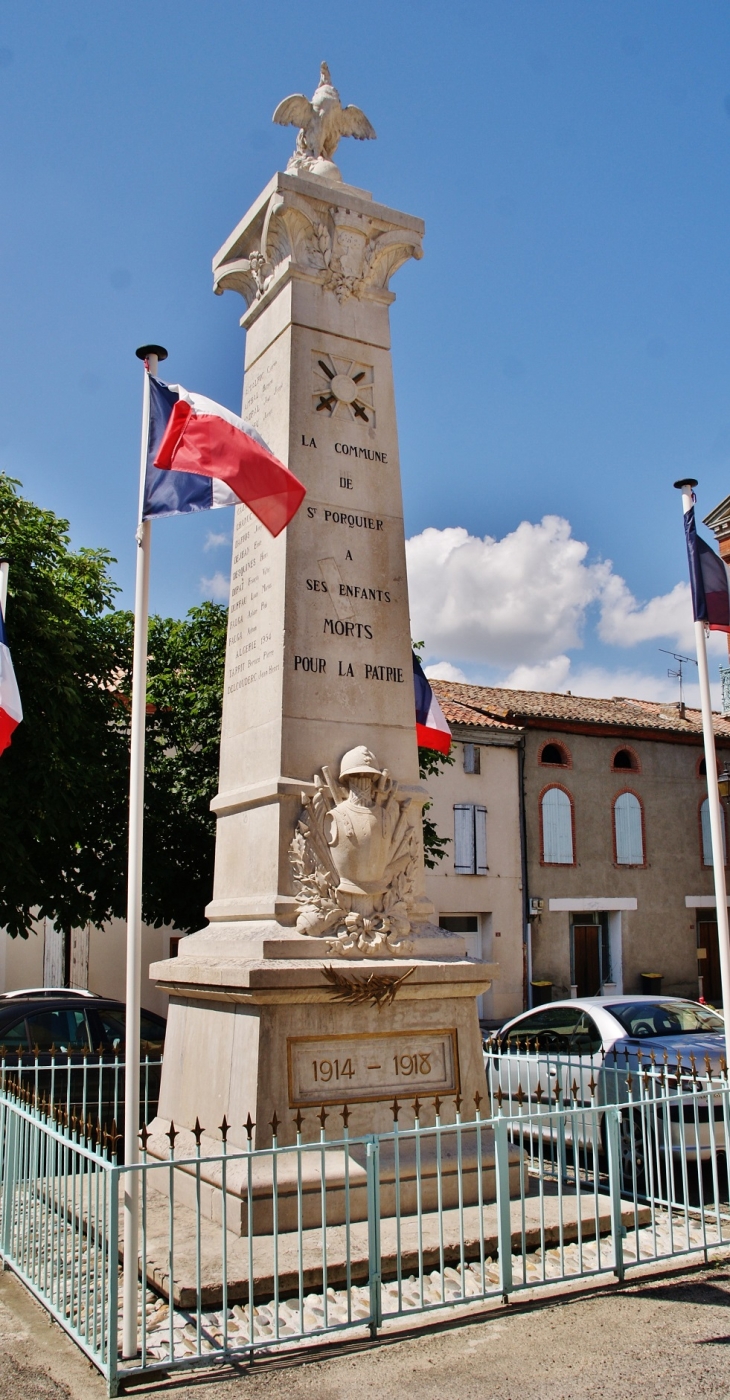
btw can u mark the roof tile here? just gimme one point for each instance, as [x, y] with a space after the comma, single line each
[486, 705]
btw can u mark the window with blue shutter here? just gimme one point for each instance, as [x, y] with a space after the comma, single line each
[557, 827]
[707, 834]
[628, 829]
[470, 839]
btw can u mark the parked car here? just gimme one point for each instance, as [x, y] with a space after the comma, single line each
[67, 1045]
[599, 1050]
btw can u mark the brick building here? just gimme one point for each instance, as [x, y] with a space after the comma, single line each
[614, 832]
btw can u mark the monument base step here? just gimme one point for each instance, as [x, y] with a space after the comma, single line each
[296, 1260]
[436, 1178]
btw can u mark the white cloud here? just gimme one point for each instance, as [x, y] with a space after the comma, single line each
[214, 541]
[548, 675]
[519, 599]
[624, 622]
[216, 588]
[523, 601]
[600, 682]
[444, 671]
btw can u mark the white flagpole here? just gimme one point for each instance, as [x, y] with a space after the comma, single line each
[713, 794]
[4, 570]
[151, 355]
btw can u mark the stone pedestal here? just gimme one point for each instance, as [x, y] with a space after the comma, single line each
[319, 864]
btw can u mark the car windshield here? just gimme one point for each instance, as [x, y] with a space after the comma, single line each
[643, 1019]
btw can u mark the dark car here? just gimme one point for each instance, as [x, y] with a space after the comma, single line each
[67, 1047]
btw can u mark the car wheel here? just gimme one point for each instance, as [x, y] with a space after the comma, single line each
[634, 1147]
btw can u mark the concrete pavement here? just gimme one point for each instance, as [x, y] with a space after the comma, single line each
[660, 1338]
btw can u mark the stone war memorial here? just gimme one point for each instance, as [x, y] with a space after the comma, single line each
[322, 985]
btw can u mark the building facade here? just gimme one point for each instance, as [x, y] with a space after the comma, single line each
[478, 886]
[615, 839]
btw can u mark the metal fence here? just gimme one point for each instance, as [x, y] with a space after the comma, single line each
[247, 1250]
[86, 1087]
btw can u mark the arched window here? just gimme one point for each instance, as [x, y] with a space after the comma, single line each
[555, 753]
[626, 759]
[556, 812]
[702, 770]
[628, 829]
[707, 834]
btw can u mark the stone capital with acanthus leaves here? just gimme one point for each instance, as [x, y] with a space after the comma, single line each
[305, 228]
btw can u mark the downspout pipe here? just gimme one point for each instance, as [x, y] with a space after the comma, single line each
[526, 927]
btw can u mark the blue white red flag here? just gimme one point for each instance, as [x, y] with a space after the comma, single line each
[432, 730]
[201, 456]
[708, 578]
[11, 710]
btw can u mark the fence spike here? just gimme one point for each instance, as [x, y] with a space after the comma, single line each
[172, 1134]
[708, 1066]
[299, 1119]
[437, 1105]
[477, 1100]
[274, 1125]
[223, 1129]
[723, 1067]
[592, 1086]
[396, 1110]
[144, 1136]
[457, 1101]
[574, 1088]
[345, 1114]
[500, 1095]
[323, 1115]
[417, 1108]
[197, 1132]
[539, 1092]
[115, 1137]
[249, 1125]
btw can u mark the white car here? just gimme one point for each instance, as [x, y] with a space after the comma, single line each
[655, 1055]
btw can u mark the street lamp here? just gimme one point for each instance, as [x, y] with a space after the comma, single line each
[723, 782]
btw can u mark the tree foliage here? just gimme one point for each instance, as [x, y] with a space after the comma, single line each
[62, 807]
[185, 690]
[64, 781]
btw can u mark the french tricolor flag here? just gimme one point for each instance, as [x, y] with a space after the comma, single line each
[432, 731]
[11, 710]
[201, 456]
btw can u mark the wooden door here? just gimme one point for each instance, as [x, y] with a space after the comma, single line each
[709, 966]
[586, 959]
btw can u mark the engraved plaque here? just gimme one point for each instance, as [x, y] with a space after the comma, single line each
[364, 1068]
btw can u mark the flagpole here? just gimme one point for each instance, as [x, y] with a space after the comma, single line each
[713, 793]
[4, 570]
[151, 355]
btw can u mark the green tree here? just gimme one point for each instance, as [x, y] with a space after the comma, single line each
[62, 790]
[185, 687]
[64, 781]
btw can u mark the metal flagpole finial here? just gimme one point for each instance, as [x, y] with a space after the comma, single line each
[686, 480]
[144, 352]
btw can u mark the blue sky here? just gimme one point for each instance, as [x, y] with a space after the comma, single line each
[562, 350]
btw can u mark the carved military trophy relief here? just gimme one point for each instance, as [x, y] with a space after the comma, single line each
[354, 856]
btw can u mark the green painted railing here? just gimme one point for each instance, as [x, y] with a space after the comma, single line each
[245, 1250]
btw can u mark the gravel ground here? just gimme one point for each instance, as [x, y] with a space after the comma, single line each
[665, 1337]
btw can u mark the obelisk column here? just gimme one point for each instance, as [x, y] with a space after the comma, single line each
[318, 846]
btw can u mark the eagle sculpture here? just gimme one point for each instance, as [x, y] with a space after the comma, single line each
[321, 123]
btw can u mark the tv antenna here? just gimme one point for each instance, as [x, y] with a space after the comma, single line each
[678, 675]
